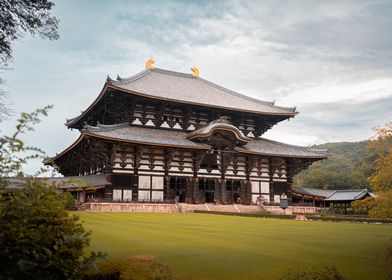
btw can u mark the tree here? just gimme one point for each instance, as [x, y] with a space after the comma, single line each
[13, 152]
[18, 17]
[381, 180]
[4, 109]
[38, 237]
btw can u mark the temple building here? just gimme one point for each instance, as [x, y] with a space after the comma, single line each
[164, 136]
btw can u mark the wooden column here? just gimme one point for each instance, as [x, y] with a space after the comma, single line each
[195, 191]
[248, 192]
[217, 192]
[223, 191]
[243, 191]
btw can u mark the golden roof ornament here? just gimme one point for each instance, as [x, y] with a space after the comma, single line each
[150, 63]
[195, 71]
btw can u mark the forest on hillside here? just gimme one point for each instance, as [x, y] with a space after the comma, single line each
[348, 167]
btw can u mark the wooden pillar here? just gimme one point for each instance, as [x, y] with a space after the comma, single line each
[248, 192]
[243, 191]
[195, 190]
[223, 191]
[188, 191]
[217, 192]
[84, 195]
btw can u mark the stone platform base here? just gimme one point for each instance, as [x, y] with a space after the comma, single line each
[131, 207]
[291, 209]
[189, 208]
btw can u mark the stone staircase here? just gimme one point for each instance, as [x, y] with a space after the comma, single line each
[250, 208]
[237, 208]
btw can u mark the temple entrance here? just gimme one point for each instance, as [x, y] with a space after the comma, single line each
[236, 198]
[207, 186]
[233, 188]
[209, 197]
[177, 189]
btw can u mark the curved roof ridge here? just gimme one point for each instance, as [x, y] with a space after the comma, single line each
[131, 78]
[292, 146]
[105, 127]
[190, 76]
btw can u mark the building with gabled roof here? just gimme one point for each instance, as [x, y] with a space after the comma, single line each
[166, 136]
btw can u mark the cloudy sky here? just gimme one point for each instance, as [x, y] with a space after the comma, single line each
[331, 59]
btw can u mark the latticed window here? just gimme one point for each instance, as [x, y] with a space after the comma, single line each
[233, 185]
[207, 184]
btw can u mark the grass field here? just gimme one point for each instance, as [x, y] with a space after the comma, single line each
[225, 247]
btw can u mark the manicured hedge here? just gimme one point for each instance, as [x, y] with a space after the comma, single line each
[255, 215]
[313, 217]
[349, 219]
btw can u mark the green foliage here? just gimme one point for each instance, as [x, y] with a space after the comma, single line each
[39, 239]
[321, 272]
[350, 219]
[363, 206]
[387, 258]
[382, 207]
[255, 215]
[20, 16]
[381, 146]
[131, 268]
[13, 151]
[348, 167]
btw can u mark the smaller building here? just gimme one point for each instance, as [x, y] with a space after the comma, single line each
[338, 200]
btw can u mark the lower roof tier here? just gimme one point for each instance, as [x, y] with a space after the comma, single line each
[98, 148]
[178, 139]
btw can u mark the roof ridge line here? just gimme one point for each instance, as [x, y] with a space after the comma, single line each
[104, 127]
[190, 76]
[130, 78]
[290, 145]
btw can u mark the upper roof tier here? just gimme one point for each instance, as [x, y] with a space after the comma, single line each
[170, 86]
[182, 87]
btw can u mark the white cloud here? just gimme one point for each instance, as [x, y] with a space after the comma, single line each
[332, 59]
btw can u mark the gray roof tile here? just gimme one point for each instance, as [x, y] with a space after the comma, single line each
[175, 138]
[347, 195]
[175, 86]
[311, 191]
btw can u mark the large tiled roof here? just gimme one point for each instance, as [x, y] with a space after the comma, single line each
[311, 192]
[270, 147]
[152, 136]
[95, 181]
[186, 88]
[347, 195]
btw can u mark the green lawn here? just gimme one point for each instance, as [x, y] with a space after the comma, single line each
[225, 247]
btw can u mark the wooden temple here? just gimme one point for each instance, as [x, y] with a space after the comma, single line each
[164, 136]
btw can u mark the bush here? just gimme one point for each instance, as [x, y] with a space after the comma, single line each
[321, 272]
[39, 239]
[387, 258]
[130, 268]
[349, 219]
[254, 215]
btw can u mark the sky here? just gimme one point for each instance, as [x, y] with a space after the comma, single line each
[331, 59]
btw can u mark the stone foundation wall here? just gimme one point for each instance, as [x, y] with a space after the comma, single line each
[131, 207]
[290, 209]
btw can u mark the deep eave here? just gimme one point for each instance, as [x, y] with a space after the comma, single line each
[123, 133]
[117, 86]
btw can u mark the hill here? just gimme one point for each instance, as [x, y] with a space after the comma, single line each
[348, 167]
